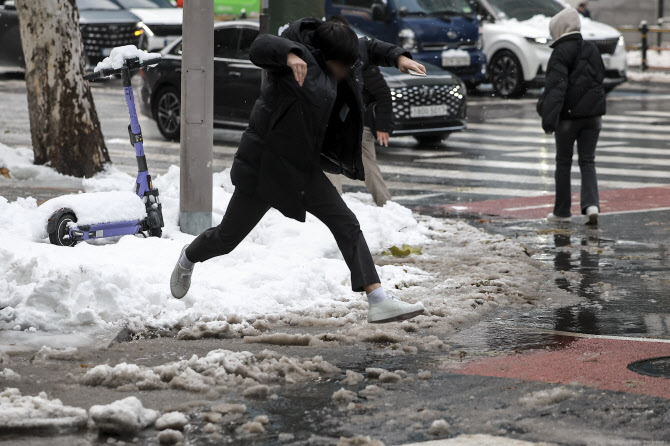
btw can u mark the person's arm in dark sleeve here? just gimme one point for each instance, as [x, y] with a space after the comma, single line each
[270, 52]
[379, 89]
[556, 87]
[384, 54]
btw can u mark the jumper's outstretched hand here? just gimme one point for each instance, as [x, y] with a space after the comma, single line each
[383, 138]
[405, 64]
[298, 66]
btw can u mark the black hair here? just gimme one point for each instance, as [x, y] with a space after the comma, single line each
[337, 42]
[338, 19]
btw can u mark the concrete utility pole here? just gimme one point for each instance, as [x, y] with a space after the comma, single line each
[287, 11]
[197, 114]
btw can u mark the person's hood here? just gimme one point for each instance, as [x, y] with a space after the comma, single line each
[565, 22]
[301, 31]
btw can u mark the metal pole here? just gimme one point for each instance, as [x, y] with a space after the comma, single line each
[197, 110]
[659, 16]
[644, 29]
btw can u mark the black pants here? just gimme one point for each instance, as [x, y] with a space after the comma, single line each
[321, 200]
[585, 132]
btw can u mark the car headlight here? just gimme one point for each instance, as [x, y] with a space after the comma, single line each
[480, 40]
[407, 40]
[145, 29]
[538, 40]
[622, 41]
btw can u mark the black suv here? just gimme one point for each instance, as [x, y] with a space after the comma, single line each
[103, 23]
[428, 108]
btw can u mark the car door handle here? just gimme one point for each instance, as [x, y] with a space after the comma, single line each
[234, 74]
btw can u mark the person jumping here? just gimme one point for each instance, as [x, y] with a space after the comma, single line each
[308, 119]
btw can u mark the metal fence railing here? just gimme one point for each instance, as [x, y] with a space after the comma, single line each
[644, 29]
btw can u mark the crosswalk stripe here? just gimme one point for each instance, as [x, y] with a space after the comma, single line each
[546, 167]
[600, 158]
[603, 134]
[535, 126]
[546, 180]
[654, 113]
[607, 118]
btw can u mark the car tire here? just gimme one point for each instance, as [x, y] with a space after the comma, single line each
[506, 75]
[167, 111]
[431, 140]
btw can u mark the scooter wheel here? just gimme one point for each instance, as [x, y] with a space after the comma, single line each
[58, 236]
[156, 232]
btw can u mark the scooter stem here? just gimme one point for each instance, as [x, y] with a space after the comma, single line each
[135, 132]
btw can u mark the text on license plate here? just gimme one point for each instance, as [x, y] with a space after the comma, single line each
[422, 111]
[455, 60]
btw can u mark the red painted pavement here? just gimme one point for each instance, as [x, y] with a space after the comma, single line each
[599, 363]
[612, 200]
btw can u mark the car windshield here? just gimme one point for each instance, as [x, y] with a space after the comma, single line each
[525, 9]
[435, 7]
[132, 4]
[100, 5]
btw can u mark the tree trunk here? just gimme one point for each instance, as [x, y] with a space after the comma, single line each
[64, 124]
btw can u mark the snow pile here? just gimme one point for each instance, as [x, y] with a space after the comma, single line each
[439, 427]
[8, 374]
[53, 354]
[124, 416]
[171, 420]
[119, 54]
[219, 368]
[26, 413]
[95, 207]
[284, 268]
[543, 398]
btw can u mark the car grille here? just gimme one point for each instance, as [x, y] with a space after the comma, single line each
[404, 97]
[606, 46]
[100, 36]
[166, 30]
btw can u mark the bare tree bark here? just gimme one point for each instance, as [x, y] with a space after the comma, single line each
[64, 124]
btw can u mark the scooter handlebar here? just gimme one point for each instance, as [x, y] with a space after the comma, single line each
[111, 71]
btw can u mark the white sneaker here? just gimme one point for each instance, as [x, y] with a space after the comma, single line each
[393, 309]
[553, 218]
[180, 281]
[592, 215]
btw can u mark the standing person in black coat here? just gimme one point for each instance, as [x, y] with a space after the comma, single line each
[378, 121]
[308, 119]
[572, 106]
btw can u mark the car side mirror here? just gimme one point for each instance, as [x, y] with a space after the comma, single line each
[9, 5]
[379, 12]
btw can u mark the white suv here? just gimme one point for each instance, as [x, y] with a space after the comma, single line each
[516, 43]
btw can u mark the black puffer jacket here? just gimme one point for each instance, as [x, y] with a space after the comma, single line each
[378, 101]
[293, 130]
[574, 86]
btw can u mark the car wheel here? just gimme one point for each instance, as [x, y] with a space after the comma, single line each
[432, 140]
[167, 113]
[507, 75]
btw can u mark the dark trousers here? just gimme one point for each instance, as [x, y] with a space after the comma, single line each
[585, 132]
[321, 200]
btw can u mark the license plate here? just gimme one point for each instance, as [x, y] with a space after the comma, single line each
[106, 52]
[424, 111]
[451, 58]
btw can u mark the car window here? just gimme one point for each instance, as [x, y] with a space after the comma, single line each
[247, 38]
[225, 42]
[360, 3]
[524, 10]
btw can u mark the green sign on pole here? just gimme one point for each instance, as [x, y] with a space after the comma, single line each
[283, 12]
[234, 8]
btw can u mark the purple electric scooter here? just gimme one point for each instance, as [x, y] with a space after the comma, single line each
[62, 227]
